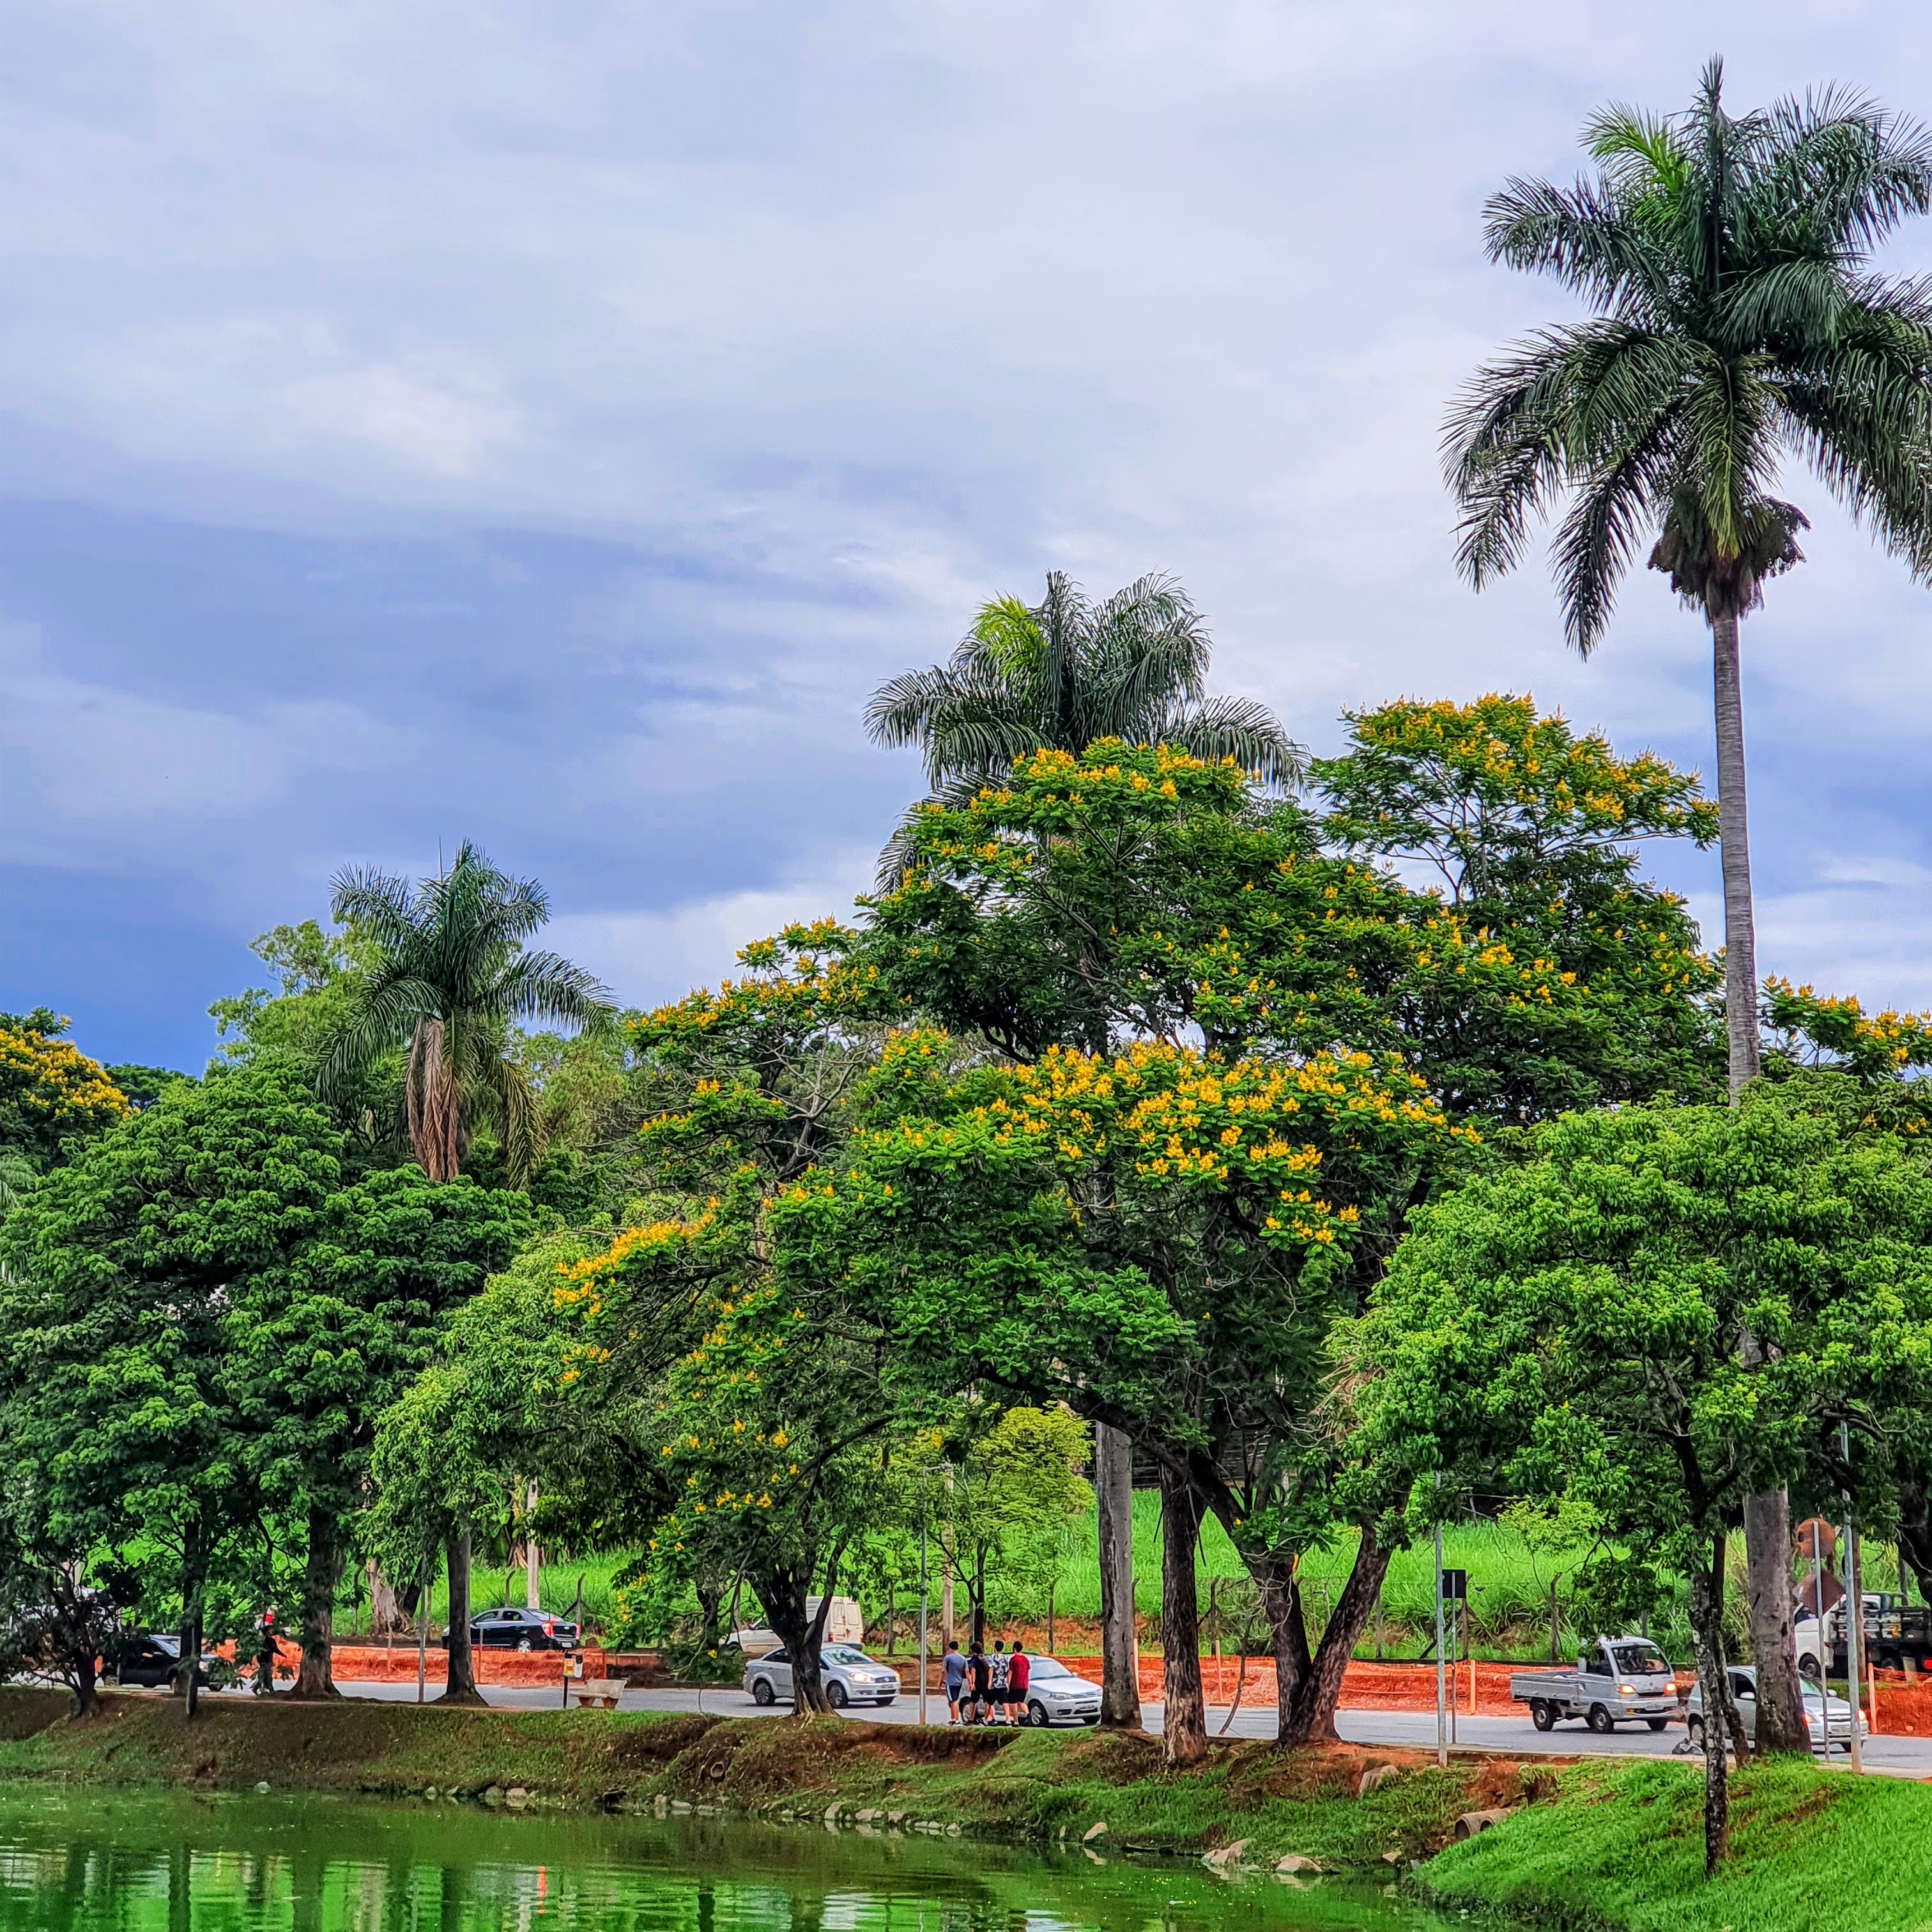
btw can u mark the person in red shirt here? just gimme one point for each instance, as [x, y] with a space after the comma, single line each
[1018, 1671]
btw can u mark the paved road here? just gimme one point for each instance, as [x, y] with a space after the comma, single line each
[1902, 1757]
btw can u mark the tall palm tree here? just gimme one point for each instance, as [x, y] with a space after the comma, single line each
[1738, 324]
[1061, 673]
[450, 979]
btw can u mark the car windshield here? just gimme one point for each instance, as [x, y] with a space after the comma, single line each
[843, 1653]
[1637, 1659]
[1048, 1667]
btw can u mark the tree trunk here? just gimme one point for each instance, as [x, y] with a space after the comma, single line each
[461, 1687]
[1287, 1633]
[803, 1636]
[430, 1097]
[192, 1584]
[1780, 1710]
[319, 1574]
[1734, 854]
[1707, 1641]
[386, 1617]
[1120, 1654]
[1184, 1726]
[1311, 1712]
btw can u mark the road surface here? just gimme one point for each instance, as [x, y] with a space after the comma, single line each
[1516, 1737]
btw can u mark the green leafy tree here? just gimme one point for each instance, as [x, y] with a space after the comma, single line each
[1582, 1324]
[448, 978]
[1058, 675]
[1013, 1485]
[490, 1414]
[775, 1427]
[1129, 898]
[320, 1347]
[1738, 325]
[124, 1278]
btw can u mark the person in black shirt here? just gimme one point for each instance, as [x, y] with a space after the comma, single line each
[980, 1678]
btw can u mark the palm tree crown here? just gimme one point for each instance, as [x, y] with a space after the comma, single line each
[451, 978]
[1061, 673]
[1738, 324]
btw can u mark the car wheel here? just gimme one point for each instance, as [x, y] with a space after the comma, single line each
[1656, 1724]
[762, 1692]
[835, 1695]
[1601, 1722]
[1695, 1727]
[523, 1643]
[1890, 1660]
[1036, 1714]
[1808, 1666]
[1542, 1715]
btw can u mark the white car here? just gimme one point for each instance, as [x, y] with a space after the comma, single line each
[1055, 1695]
[850, 1677]
[1819, 1710]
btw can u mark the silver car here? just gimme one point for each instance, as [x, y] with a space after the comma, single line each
[1055, 1695]
[1819, 1710]
[850, 1677]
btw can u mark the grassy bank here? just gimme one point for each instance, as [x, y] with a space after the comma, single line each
[1005, 1785]
[1622, 1847]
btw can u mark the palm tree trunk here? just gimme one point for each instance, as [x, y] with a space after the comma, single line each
[1734, 852]
[1113, 1496]
[1780, 1709]
[429, 1094]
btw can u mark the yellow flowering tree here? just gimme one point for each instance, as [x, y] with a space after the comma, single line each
[1135, 906]
[773, 1425]
[49, 1093]
[1156, 1238]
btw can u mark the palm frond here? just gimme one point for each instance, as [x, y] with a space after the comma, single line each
[383, 1018]
[1240, 729]
[547, 987]
[375, 902]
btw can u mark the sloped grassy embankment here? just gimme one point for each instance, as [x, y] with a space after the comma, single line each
[1594, 1847]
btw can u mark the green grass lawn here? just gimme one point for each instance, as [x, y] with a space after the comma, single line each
[1812, 1851]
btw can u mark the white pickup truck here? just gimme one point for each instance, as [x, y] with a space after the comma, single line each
[1620, 1678]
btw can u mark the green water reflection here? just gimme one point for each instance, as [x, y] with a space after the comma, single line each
[120, 1862]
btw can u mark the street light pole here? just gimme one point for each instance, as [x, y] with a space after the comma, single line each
[1855, 1614]
[1441, 1673]
[921, 1604]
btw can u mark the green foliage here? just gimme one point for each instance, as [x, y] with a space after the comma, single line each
[447, 979]
[1061, 674]
[1737, 326]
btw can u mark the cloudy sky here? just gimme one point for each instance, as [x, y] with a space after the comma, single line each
[544, 425]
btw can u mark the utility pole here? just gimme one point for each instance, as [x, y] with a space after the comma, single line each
[922, 1603]
[1854, 1614]
[1441, 1672]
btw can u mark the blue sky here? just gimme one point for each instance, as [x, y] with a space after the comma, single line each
[545, 426]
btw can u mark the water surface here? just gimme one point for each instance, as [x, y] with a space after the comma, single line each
[119, 1861]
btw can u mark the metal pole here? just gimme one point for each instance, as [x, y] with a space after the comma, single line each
[1441, 1675]
[1855, 1615]
[1818, 1606]
[422, 1633]
[921, 1608]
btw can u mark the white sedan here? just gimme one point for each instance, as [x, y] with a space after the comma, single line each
[1819, 1711]
[1055, 1695]
[850, 1677]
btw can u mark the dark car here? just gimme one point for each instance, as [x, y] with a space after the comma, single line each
[151, 1661]
[519, 1630]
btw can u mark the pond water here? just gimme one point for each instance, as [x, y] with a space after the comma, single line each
[105, 1861]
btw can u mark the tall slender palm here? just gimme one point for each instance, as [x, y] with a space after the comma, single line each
[1738, 324]
[1063, 672]
[450, 979]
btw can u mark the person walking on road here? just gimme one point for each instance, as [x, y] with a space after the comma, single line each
[1019, 1674]
[955, 1669]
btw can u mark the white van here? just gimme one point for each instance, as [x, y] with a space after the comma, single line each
[844, 1623]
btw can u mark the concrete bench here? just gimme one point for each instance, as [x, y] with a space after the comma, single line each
[594, 1700]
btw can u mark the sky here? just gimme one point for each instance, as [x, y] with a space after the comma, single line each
[546, 425]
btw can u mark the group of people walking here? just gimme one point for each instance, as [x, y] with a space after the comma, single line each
[983, 1688]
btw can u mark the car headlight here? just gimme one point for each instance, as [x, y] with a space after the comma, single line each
[1626, 1689]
